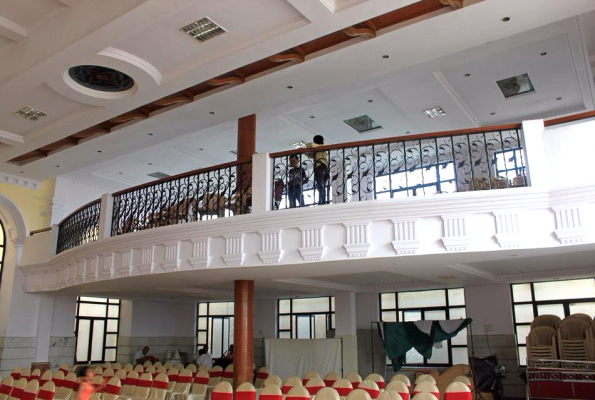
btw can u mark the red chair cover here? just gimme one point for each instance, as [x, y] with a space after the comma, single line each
[64, 370]
[305, 380]
[216, 374]
[98, 387]
[5, 389]
[172, 378]
[372, 392]
[112, 389]
[58, 382]
[43, 381]
[436, 394]
[329, 382]
[245, 396]
[45, 395]
[17, 392]
[228, 374]
[262, 375]
[314, 389]
[131, 381]
[28, 396]
[221, 396]
[355, 384]
[69, 384]
[143, 383]
[184, 379]
[381, 384]
[16, 375]
[458, 396]
[160, 384]
[201, 380]
[343, 391]
[285, 389]
[270, 397]
[297, 398]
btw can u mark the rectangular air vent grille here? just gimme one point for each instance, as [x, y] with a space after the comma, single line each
[203, 29]
[158, 175]
[30, 113]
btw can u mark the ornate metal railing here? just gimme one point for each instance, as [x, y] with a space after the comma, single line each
[400, 167]
[220, 191]
[82, 226]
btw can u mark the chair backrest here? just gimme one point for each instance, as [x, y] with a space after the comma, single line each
[327, 393]
[139, 369]
[425, 378]
[147, 364]
[399, 387]
[553, 321]
[162, 370]
[573, 328]
[64, 368]
[26, 373]
[228, 374]
[36, 374]
[371, 387]
[222, 391]
[30, 392]
[98, 383]
[184, 383]
[271, 392]
[355, 379]
[309, 375]
[273, 380]
[108, 373]
[378, 379]
[331, 378]
[584, 317]
[215, 375]
[116, 366]
[463, 379]
[167, 365]
[6, 387]
[457, 391]
[131, 380]
[18, 388]
[121, 374]
[192, 368]
[58, 379]
[343, 387]
[179, 367]
[143, 386]
[298, 392]
[389, 395]
[160, 385]
[107, 365]
[428, 387]
[245, 392]
[314, 385]
[358, 394]
[111, 391]
[172, 375]
[47, 391]
[16, 372]
[128, 368]
[98, 371]
[70, 381]
[157, 364]
[261, 375]
[290, 383]
[204, 367]
[424, 396]
[151, 370]
[201, 378]
[402, 378]
[541, 336]
[45, 377]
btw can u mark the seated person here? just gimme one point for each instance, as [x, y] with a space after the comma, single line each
[204, 357]
[142, 356]
[226, 359]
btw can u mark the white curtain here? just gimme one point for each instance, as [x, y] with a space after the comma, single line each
[294, 357]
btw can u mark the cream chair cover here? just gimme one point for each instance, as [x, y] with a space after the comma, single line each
[26, 373]
[16, 373]
[204, 367]
[18, 388]
[68, 386]
[192, 368]
[273, 380]
[425, 378]
[245, 392]
[112, 389]
[143, 387]
[327, 393]
[215, 375]
[47, 391]
[183, 385]
[147, 364]
[179, 367]
[157, 365]
[31, 390]
[402, 378]
[358, 394]
[399, 387]
[159, 389]
[261, 375]
[65, 369]
[172, 375]
[424, 396]
[128, 368]
[572, 338]
[314, 385]
[36, 374]
[6, 387]
[129, 384]
[116, 366]
[107, 365]
[271, 392]
[343, 387]
[290, 383]
[45, 378]
[309, 375]
[168, 365]
[463, 379]
[139, 369]
[355, 379]
[58, 379]
[152, 370]
[98, 383]
[199, 388]
[121, 374]
[428, 387]
[389, 395]
[371, 387]
[162, 370]
[222, 391]
[331, 378]
[108, 374]
[228, 374]
[457, 391]
[98, 371]
[298, 393]
[378, 379]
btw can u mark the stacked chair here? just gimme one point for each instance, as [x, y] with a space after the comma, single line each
[572, 337]
[541, 343]
[591, 341]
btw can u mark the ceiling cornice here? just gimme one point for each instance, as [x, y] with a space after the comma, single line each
[12, 30]
[19, 181]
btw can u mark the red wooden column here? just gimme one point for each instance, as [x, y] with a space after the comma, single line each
[246, 137]
[243, 332]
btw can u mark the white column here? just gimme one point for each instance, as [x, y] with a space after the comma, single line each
[345, 322]
[105, 216]
[534, 154]
[261, 183]
[45, 314]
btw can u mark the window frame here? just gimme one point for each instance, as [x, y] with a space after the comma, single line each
[446, 308]
[329, 316]
[108, 302]
[535, 305]
[209, 317]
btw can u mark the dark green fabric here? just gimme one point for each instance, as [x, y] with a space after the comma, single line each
[400, 337]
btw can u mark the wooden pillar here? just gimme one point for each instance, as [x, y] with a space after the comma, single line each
[243, 332]
[246, 137]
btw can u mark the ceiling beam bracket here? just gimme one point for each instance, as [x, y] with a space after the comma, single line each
[292, 57]
[455, 4]
[234, 80]
[168, 101]
[360, 32]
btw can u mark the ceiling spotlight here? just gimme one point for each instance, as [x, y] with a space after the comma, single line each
[505, 19]
[99, 151]
[312, 116]
[370, 101]
[149, 134]
[120, 173]
[407, 133]
[57, 166]
[493, 113]
[544, 53]
[22, 172]
[559, 98]
[467, 75]
[289, 87]
[150, 163]
[200, 148]
[212, 112]
[386, 56]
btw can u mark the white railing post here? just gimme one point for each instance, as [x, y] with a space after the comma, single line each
[261, 183]
[534, 153]
[105, 216]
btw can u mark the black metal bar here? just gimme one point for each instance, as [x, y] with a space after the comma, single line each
[80, 227]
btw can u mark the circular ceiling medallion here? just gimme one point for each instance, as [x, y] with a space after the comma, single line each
[101, 79]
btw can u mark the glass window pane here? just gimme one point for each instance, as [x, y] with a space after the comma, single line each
[456, 297]
[333, 303]
[521, 292]
[217, 339]
[82, 341]
[413, 357]
[284, 306]
[523, 312]
[461, 338]
[427, 298]
[522, 355]
[320, 326]
[313, 304]
[582, 308]
[112, 325]
[284, 322]
[220, 309]
[97, 340]
[575, 289]
[303, 327]
[114, 301]
[94, 299]
[333, 321]
[435, 315]
[113, 311]
[457, 313]
[202, 308]
[201, 338]
[412, 316]
[522, 331]
[387, 301]
[389, 316]
[459, 355]
[439, 356]
[110, 355]
[552, 309]
[92, 310]
[202, 323]
[111, 340]
[285, 335]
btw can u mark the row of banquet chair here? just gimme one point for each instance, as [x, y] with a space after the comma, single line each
[570, 339]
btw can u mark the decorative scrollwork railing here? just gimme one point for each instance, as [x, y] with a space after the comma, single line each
[80, 227]
[220, 191]
[391, 168]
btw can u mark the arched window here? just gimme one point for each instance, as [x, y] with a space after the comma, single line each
[2, 249]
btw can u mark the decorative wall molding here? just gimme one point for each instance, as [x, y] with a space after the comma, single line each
[19, 181]
[11, 30]
[91, 266]
[234, 247]
[134, 60]
[569, 224]
[312, 242]
[147, 265]
[406, 241]
[270, 246]
[508, 230]
[455, 232]
[107, 266]
[171, 262]
[126, 266]
[358, 240]
[200, 253]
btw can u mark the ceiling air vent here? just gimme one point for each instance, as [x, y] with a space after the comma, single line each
[30, 113]
[158, 175]
[203, 29]
[434, 112]
[363, 124]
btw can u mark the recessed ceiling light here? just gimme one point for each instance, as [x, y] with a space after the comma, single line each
[559, 98]
[467, 75]
[150, 163]
[30, 113]
[201, 149]
[505, 19]
[493, 113]
[407, 133]
[544, 53]
[120, 173]
[203, 29]
[212, 112]
[289, 87]
[434, 112]
[386, 56]
[312, 116]
[370, 101]
[57, 166]
[99, 151]
[150, 134]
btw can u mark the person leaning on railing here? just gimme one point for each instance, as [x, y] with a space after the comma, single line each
[296, 180]
[321, 171]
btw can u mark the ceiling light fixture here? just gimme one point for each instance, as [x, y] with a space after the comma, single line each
[312, 116]
[434, 112]
[203, 29]
[467, 75]
[212, 112]
[120, 173]
[386, 56]
[370, 101]
[30, 113]
[99, 151]
[407, 133]
[57, 166]
[299, 145]
[150, 134]
[505, 19]
[201, 149]
[150, 163]
[544, 53]
[289, 87]
[493, 113]
[559, 98]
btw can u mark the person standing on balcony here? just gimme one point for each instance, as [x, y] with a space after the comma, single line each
[296, 180]
[321, 171]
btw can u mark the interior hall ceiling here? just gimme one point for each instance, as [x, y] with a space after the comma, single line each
[429, 58]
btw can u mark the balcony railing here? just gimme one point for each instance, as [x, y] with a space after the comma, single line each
[216, 192]
[448, 162]
[82, 226]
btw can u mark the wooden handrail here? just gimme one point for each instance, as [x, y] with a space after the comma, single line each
[399, 139]
[35, 232]
[570, 118]
[180, 176]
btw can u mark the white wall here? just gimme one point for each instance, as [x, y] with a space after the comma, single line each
[366, 309]
[64, 316]
[265, 318]
[490, 304]
[70, 195]
[163, 319]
